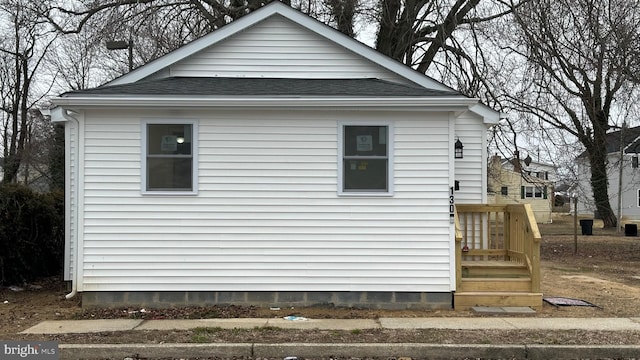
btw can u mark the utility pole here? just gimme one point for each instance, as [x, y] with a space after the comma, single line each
[575, 223]
[624, 125]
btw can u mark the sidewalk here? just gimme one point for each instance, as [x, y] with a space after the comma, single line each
[350, 350]
[493, 323]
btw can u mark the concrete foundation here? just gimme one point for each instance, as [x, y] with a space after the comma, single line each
[359, 299]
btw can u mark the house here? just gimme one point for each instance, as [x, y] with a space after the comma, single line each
[523, 182]
[630, 190]
[274, 161]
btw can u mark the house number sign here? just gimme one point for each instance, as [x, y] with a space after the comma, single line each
[451, 204]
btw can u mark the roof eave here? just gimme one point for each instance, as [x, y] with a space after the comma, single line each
[433, 103]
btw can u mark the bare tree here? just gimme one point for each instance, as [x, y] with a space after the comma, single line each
[23, 49]
[415, 31]
[578, 60]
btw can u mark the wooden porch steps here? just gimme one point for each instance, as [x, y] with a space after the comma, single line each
[466, 300]
[507, 284]
[495, 283]
[493, 268]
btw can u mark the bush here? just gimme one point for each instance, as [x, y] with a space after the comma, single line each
[31, 234]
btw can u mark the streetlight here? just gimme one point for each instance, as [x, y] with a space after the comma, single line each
[121, 45]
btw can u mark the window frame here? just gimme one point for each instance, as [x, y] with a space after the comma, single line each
[526, 192]
[144, 155]
[537, 192]
[389, 157]
[504, 190]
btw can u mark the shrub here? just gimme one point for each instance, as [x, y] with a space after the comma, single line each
[31, 234]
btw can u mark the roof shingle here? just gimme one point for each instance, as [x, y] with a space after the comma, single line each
[224, 86]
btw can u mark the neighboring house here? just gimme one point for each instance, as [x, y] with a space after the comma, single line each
[630, 190]
[531, 182]
[273, 161]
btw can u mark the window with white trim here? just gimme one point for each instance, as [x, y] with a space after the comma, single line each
[534, 192]
[169, 157]
[365, 157]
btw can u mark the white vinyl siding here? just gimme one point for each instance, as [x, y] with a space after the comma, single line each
[277, 48]
[267, 216]
[470, 170]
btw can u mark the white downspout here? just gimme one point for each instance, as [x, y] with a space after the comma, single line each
[60, 114]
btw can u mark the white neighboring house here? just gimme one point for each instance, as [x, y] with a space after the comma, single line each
[630, 176]
[273, 161]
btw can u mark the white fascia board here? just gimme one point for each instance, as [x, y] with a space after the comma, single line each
[57, 114]
[425, 104]
[490, 116]
[295, 16]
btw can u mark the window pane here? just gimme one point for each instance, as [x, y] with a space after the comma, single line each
[365, 140]
[368, 174]
[529, 191]
[169, 139]
[169, 173]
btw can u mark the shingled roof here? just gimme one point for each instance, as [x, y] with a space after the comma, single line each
[630, 141]
[285, 87]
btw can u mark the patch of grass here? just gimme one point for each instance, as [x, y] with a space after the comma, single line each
[356, 331]
[268, 328]
[200, 338]
[206, 330]
[212, 313]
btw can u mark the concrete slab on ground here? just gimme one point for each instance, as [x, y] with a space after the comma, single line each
[82, 326]
[511, 310]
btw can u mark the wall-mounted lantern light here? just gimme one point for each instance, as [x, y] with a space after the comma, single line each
[121, 45]
[457, 147]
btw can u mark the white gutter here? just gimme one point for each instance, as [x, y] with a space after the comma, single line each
[433, 103]
[59, 114]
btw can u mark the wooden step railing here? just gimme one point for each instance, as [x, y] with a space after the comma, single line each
[506, 233]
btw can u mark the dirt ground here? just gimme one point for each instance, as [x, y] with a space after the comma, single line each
[605, 271]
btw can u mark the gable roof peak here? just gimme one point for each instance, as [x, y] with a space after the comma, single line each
[277, 8]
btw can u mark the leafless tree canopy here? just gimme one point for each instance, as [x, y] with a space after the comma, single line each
[579, 63]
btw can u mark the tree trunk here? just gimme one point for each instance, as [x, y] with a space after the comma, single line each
[598, 162]
[599, 184]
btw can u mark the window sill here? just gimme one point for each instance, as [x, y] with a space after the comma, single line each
[169, 193]
[365, 194]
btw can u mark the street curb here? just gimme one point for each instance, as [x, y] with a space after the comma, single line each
[383, 350]
[544, 352]
[121, 351]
